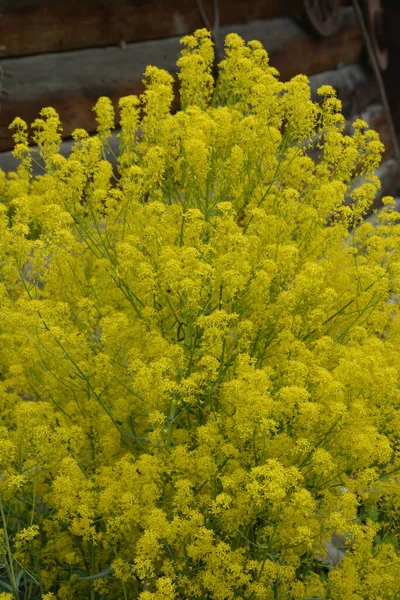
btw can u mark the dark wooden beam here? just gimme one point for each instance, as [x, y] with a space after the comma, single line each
[40, 26]
[71, 82]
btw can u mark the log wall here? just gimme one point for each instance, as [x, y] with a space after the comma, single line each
[41, 26]
[67, 53]
[72, 81]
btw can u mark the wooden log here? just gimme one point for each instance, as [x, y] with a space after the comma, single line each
[40, 26]
[71, 82]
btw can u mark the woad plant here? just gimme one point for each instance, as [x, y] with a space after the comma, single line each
[200, 348]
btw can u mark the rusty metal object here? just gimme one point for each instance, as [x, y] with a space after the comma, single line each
[374, 18]
[323, 15]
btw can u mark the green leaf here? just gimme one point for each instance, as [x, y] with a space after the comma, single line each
[5, 586]
[374, 513]
[19, 577]
[103, 573]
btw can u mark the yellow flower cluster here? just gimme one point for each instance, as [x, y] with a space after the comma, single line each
[199, 357]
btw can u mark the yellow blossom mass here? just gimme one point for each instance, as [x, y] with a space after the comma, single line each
[200, 347]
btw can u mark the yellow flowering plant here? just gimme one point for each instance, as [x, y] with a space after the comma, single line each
[200, 350]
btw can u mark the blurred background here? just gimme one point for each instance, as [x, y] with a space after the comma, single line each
[67, 53]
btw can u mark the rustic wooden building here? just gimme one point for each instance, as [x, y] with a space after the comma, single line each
[67, 53]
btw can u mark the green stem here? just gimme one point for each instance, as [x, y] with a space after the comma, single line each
[10, 562]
